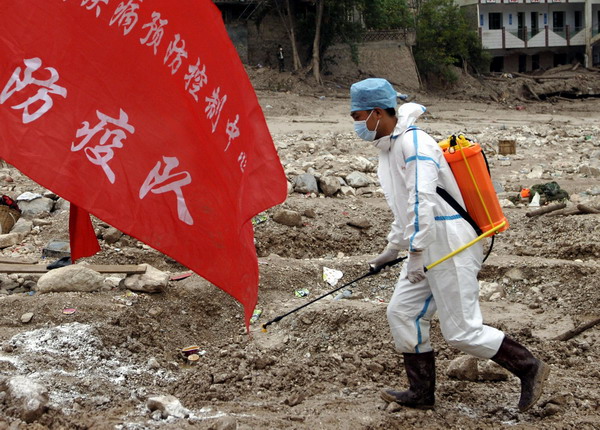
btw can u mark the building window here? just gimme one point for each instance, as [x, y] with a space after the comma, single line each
[510, 19]
[481, 20]
[535, 62]
[495, 20]
[558, 22]
[578, 20]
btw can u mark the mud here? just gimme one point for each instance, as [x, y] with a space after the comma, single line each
[321, 367]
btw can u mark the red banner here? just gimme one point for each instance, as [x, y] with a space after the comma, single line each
[141, 113]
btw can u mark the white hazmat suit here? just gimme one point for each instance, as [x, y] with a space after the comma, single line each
[411, 166]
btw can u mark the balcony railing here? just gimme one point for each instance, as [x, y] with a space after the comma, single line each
[526, 38]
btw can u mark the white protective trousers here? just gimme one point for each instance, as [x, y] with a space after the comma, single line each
[411, 167]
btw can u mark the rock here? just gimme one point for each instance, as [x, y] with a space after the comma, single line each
[329, 185]
[590, 170]
[38, 222]
[305, 183]
[35, 207]
[9, 239]
[490, 371]
[358, 179]
[375, 368]
[536, 173]
[22, 226]
[394, 407]
[463, 368]
[111, 235]
[76, 277]
[62, 204]
[362, 164]
[290, 187]
[169, 406]
[515, 274]
[112, 282]
[359, 222]
[288, 217]
[505, 203]
[347, 191]
[153, 281]
[153, 363]
[8, 283]
[294, 399]
[487, 290]
[27, 317]
[309, 213]
[27, 397]
[225, 423]
[57, 249]
[551, 409]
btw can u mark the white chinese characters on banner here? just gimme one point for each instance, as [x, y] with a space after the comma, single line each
[155, 32]
[177, 47]
[232, 131]
[214, 107]
[103, 152]
[91, 4]
[17, 83]
[195, 79]
[243, 161]
[126, 16]
[166, 181]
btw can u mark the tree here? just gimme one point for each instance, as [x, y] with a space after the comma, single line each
[444, 39]
[287, 15]
[386, 14]
[316, 55]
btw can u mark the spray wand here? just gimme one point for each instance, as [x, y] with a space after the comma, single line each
[372, 271]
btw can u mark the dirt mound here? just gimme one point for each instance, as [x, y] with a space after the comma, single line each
[557, 84]
[321, 367]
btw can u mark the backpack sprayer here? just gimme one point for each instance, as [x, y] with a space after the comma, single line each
[469, 166]
[472, 174]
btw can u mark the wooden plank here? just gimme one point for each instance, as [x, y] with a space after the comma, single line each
[9, 260]
[102, 268]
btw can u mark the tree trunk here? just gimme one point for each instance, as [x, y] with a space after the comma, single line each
[287, 19]
[316, 57]
[292, 32]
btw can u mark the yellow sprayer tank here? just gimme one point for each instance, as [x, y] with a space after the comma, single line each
[472, 176]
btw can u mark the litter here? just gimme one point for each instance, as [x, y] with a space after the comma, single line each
[332, 276]
[259, 219]
[69, 311]
[255, 315]
[302, 292]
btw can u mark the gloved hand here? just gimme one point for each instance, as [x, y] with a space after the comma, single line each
[388, 254]
[415, 268]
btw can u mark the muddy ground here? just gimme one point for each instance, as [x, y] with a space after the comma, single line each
[323, 366]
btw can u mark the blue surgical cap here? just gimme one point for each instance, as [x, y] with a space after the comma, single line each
[372, 93]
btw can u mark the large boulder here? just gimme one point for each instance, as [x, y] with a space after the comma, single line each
[76, 277]
[152, 281]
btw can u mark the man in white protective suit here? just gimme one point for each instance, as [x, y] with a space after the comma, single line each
[411, 168]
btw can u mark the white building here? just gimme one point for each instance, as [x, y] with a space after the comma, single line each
[525, 35]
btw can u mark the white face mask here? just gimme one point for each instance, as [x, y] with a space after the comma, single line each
[362, 131]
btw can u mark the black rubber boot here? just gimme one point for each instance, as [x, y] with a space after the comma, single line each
[532, 372]
[420, 371]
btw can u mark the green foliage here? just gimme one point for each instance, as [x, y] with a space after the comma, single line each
[444, 39]
[386, 14]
